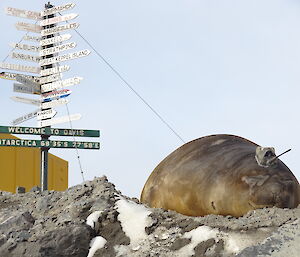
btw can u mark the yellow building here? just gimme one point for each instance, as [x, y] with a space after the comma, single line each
[20, 166]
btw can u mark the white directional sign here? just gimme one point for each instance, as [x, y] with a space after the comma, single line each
[18, 67]
[57, 9]
[63, 119]
[12, 76]
[25, 47]
[56, 49]
[60, 84]
[51, 78]
[26, 100]
[54, 103]
[28, 27]
[57, 29]
[46, 114]
[54, 95]
[20, 88]
[25, 57]
[32, 38]
[54, 40]
[58, 19]
[25, 117]
[27, 81]
[54, 70]
[65, 57]
[23, 13]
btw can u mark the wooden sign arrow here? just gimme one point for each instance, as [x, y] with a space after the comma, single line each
[23, 13]
[25, 57]
[25, 117]
[46, 114]
[50, 31]
[25, 47]
[54, 103]
[25, 100]
[63, 119]
[27, 81]
[51, 78]
[56, 49]
[54, 70]
[54, 40]
[12, 76]
[57, 9]
[20, 88]
[60, 84]
[65, 57]
[18, 67]
[58, 19]
[28, 27]
[32, 38]
[54, 95]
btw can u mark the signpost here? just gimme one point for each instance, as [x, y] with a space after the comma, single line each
[49, 86]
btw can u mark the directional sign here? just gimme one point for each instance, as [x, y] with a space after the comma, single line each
[46, 114]
[25, 57]
[54, 95]
[25, 117]
[12, 76]
[18, 67]
[57, 9]
[58, 19]
[54, 103]
[49, 131]
[28, 27]
[56, 49]
[27, 81]
[58, 29]
[25, 47]
[25, 100]
[23, 13]
[54, 40]
[48, 143]
[20, 88]
[58, 69]
[65, 57]
[50, 78]
[32, 38]
[63, 119]
[60, 84]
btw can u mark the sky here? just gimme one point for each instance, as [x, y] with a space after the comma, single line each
[207, 67]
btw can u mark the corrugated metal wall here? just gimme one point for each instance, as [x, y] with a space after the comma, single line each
[20, 166]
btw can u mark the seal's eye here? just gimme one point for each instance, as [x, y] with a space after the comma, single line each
[269, 154]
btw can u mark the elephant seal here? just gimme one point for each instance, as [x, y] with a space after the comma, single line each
[221, 174]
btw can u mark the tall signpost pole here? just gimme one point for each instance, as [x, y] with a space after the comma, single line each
[45, 150]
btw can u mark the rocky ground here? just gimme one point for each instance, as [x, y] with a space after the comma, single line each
[94, 219]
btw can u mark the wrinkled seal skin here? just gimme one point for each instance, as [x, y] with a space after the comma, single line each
[218, 174]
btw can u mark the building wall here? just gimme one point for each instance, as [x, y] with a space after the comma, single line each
[20, 166]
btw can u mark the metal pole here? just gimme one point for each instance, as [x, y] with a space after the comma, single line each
[45, 150]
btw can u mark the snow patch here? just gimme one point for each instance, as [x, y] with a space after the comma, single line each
[133, 218]
[93, 218]
[197, 236]
[97, 243]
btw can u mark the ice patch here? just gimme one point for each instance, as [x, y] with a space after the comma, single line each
[97, 243]
[197, 236]
[93, 218]
[133, 218]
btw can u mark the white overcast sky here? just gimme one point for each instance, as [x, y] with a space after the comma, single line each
[207, 67]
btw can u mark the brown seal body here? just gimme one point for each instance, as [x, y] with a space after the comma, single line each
[219, 174]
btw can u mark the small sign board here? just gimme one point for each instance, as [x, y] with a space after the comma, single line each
[12, 76]
[18, 67]
[50, 31]
[58, 69]
[26, 100]
[25, 57]
[49, 144]
[54, 103]
[54, 40]
[21, 88]
[58, 19]
[60, 84]
[28, 27]
[23, 13]
[65, 57]
[54, 95]
[56, 49]
[63, 119]
[32, 38]
[25, 117]
[27, 81]
[46, 114]
[57, 9]
[50, 78]
[49, 131]
[25, 47]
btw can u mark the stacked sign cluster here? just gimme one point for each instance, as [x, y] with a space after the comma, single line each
[45, 78]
